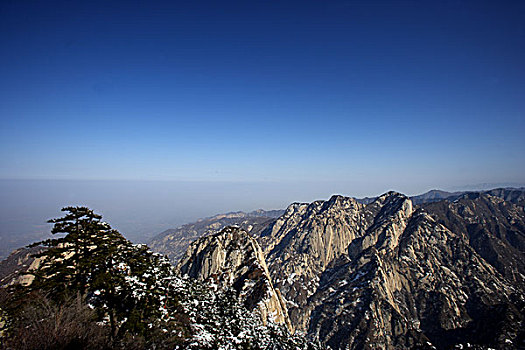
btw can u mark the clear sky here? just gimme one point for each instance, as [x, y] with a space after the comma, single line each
[364, 96]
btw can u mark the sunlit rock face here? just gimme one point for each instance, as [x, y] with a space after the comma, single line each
[389, 275]
[385, 274]
[303, 242]
[17, 267]
[233, 258]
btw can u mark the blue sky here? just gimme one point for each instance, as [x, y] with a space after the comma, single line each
[350, 97]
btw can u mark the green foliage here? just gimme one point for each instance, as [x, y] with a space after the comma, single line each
[70, 261]
[127, 285]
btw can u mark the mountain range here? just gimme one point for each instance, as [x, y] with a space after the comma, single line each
[437, 271]
[440, 270]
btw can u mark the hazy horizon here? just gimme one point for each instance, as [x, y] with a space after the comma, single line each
[160, 112]
[142, 209]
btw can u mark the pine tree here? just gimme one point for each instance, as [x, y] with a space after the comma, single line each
[69, 262]
[127, 285]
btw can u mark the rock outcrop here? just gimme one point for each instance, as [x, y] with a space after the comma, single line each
[387, 275]
[302, 243]
[232, 258]
[431, 288]
[13, 269]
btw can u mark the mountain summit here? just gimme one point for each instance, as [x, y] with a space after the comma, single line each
[384, 275]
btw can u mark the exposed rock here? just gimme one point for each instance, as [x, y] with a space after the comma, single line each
[387, 276]
[307, 238]
[174, 242]
[431, 288]
[232, 258]
[495, 228]
[13, 269]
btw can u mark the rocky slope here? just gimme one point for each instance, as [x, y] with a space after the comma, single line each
[174, 242]
[493, 227]
[426, 287]
[301, 243]
[388, 274]
[14, 267]
[232, 258]
[395, 277]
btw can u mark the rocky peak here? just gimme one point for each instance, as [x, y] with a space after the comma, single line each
[387, 275]
[301, 244]
[391, 213]
[430, 289]
[232, 258]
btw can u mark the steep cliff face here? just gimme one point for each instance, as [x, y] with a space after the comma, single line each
[232, 258]
[387, 276]
[302, 243]
[430, 289]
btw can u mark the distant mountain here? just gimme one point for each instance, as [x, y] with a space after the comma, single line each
[434, 196]
[174, 242]
[513, 195]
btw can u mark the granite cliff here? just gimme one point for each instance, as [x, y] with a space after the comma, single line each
[386, 274]
[232, 258]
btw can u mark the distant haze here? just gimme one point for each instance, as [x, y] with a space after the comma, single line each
[141, 209]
